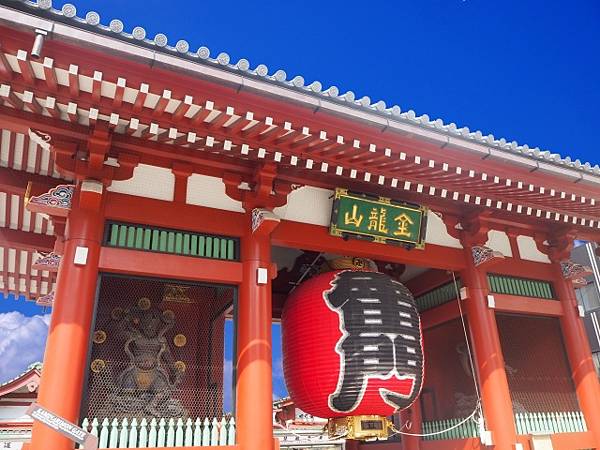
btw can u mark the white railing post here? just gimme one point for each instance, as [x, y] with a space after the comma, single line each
[214, 432]
[153, 435]
[104, 434]
[198, 432]
[143, 438]
[132, 442]
[231, 432]
[189, 433]
[179, 433]
[162, 434]
[205, 433]
[124, 434]
[171, 433]
[113, 441]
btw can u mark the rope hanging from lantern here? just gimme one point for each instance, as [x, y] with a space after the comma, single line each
[477, 411]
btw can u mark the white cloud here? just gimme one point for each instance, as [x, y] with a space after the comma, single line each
[22, 342]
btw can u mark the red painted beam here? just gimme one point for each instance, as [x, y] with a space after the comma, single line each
[439, 315]
[317, 238]
[23, 240]
[526, 305]
[15, 181]
[162, 265]
[179, 216]
[427, 281]
[523, 268]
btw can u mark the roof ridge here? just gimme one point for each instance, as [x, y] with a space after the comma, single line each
[115, 29]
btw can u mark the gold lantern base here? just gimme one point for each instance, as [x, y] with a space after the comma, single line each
[360, 428]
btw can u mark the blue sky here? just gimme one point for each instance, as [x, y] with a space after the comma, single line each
[525, 71]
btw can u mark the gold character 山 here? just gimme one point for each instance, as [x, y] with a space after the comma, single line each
[354, 219]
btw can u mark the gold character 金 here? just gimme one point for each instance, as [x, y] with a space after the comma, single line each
[377, 220]
[353, 219]
[403, 221]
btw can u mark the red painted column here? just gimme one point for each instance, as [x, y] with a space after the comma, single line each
[254, 403]
[489, 362]
[579, 354]
[66, 355]
[412, 415]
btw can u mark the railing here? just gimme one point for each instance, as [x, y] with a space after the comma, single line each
[463, 431]
[554, 422]
[161, 433]
[526, 423]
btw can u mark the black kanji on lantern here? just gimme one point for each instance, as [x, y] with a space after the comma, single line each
[381, 337]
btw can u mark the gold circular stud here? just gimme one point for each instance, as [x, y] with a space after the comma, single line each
[179, 340]
[144, 303]
[99, 336]
[98, 365]
[180, 366]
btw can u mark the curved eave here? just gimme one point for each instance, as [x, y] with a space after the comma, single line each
[97, 36]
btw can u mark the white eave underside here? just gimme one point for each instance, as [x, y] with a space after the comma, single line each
[258, 80]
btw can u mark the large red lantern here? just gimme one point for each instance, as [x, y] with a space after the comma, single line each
[352, 345]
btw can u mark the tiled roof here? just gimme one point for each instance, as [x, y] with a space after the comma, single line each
[116, 29]
[34, 366]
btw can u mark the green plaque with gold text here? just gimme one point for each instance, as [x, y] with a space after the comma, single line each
[378, 219]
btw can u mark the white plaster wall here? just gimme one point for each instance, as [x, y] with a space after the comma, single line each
[208, 191]
[13, 412]
[438, 234]
[499, 241]
[148, 181]
[309, 205]
[529, 251]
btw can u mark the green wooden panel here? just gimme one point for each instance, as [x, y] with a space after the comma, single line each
[155, 240]
[202, 246]
[122, 236]
[216, 248]
[438, 296]
[139, 237]
[130, 237]
[223, 252]
[186, 244]
[147, 239]
[114, 234]
[504, 284]
[178, 243]
[171, 242]
[194, 245]
[208, 247]
[163, 241]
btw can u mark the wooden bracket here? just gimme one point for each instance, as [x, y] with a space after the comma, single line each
[92, 161]
[264, 190]
[557, 245]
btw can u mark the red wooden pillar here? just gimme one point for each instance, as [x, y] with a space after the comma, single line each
[489, 362]
[254, 392]
[413, 416]
[579, 353]
[66, 355]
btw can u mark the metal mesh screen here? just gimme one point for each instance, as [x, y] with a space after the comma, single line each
[536, 364]
[158, 349]
[448, 390]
